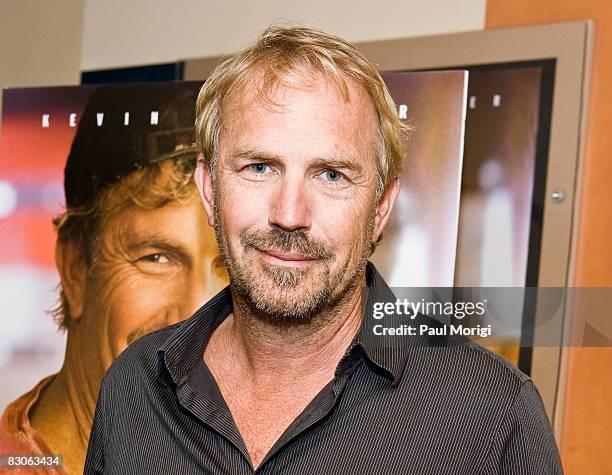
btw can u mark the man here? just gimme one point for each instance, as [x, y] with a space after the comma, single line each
[134, 253]
[300, 149]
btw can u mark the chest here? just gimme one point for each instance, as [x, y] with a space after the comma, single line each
[263, 413]
[358, 436]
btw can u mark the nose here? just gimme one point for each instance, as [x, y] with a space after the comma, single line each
[289, 207]
[199, 290]
[207, 278]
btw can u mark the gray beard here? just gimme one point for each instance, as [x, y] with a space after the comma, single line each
[290, 305]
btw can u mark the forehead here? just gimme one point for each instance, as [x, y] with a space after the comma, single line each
[313, 104]
[155, 209]
[181, 224]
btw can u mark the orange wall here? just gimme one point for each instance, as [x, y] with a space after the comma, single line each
[586, 431]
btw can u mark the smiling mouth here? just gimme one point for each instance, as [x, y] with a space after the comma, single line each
[287, 257]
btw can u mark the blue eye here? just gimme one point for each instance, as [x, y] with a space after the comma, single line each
[333, 175]
[259, 167]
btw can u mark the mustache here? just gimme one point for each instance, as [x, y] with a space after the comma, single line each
[277, 239]
[144, 330]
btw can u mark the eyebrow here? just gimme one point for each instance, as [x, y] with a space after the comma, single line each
[339, 162]
[336, 162]
[254, 155]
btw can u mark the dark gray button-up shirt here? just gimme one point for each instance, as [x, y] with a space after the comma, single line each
[403, 406]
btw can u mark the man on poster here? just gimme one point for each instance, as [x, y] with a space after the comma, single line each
[134, 254]
[300, 149]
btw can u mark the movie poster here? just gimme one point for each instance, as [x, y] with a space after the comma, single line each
[106, 131]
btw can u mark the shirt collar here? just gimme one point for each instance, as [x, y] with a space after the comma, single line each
[387, 354]
[186, 343]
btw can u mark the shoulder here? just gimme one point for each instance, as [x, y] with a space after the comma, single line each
[17, 436]
[490, 374]
[470, 393]
[467, 373]
[521, 433]
[489, 361]
[12, 439]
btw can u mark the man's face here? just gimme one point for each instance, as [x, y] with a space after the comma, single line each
[294, 197]
[152, 268]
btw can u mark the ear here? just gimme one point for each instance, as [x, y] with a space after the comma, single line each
[384, 207]
[72, 269]
[204, 183]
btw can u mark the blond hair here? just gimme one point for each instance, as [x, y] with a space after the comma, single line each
[282, 54]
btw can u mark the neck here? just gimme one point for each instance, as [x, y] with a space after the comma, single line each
[63, 415]
[267, 348]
